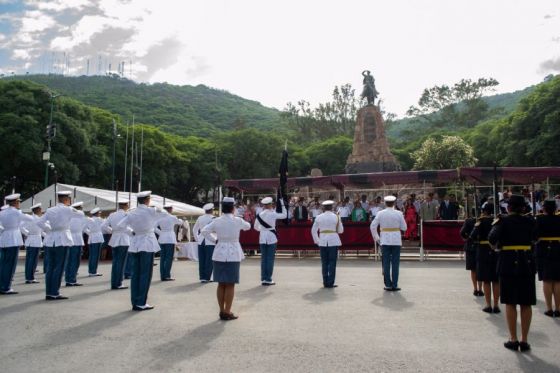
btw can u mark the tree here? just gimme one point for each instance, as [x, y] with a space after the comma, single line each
[460, 106]
[444, 153]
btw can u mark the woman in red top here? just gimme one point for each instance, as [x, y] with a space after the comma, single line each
[410, 217]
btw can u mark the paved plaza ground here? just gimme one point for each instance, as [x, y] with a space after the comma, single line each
[433, 325]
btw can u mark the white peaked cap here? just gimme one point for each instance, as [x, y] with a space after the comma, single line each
[266, 200]
[36, 206]
[228, 200]
[12, 197]
[123, 202]
[390, 198]
[64, 193]
[78, 204]
[208, 206]
[327, 203]
[143, 194]
[95, 210]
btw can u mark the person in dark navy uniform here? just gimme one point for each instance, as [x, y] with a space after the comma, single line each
[486, 259]
[513, 235]
[470, 255]
[547, 232]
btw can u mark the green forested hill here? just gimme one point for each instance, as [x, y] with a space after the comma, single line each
[499, 105]
[182, 110]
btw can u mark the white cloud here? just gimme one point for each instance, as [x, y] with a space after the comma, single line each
[550, 65]
[60, 5]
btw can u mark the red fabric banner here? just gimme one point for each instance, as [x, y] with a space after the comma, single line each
[442, 235]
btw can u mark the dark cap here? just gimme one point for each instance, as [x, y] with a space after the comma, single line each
[549, 204]
[488, 208]
[516, 201]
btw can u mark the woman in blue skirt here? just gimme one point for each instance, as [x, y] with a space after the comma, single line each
[227, 254]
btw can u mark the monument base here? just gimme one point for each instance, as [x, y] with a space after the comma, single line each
[370, 152]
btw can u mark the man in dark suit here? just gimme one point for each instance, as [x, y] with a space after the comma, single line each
[449, 208]
[300, 211]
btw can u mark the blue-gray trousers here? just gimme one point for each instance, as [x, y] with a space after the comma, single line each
[142, 267]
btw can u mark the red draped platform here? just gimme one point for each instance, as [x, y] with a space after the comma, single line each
[437, 236]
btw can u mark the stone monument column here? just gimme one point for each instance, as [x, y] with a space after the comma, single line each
[370, 152]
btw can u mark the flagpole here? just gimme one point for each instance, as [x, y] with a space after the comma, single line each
[131, 163]
[125, 158]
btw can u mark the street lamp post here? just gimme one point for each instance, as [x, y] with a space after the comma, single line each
[50, 134]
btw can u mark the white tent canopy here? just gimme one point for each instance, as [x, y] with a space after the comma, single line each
[104, 199]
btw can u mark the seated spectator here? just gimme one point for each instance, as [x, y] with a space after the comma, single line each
[300, 211]
[375, 207]
[359, 214]
[344, 210]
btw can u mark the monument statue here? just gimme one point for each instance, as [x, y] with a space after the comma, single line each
[369, 90]
[370, 151]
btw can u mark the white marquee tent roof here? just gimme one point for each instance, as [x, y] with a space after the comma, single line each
[104, 199]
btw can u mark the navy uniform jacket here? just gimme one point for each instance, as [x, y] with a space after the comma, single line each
[466, 230]
[482, 229]
[514, 230]
[547, 226]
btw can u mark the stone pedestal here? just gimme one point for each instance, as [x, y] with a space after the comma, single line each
[370, 152]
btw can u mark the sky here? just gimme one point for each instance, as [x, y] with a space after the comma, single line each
[277, 52]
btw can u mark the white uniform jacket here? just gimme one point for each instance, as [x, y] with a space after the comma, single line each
[34, 234]
[120, 236]
[94, 230]
[142, 220]
[227, 228]
[58, 217]
[269, 216]
[166, 229]
[10, 220]
[201, 222]
[77, 228]
[391, 223]
[329, 225]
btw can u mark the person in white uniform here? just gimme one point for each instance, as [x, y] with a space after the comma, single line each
[57, 242]
[390, 222]
[119, 242]
[265, 223]
[33, 243]
[325, 231]
[11, 219]
[74, 256]
[143, 247]
[95, 240]
[205, 244]
[167, 240]
[227, 255]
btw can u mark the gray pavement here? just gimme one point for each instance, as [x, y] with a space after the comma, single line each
[433, 325]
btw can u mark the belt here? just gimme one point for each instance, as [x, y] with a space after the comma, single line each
[516, 247]
[549, 239]
[390, 229]
[484, 242]
[327, 231]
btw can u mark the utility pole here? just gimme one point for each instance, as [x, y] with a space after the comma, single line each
[50, 134]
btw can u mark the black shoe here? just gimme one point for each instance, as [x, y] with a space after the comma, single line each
[387, 288]
[496, 310]
[557, 313]
[228, 316]
[9, 292]
[396, 289]
[524, 346]
[74, 284]
[61, 297]
[50, 297]
[549, 313]
[331, 286]
[137, 308]
[168, 279]
[512, 345]
[31, 281]
[487, 309]
[479, 293]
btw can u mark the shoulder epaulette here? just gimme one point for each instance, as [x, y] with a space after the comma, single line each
[478, 222]
[496, 221]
